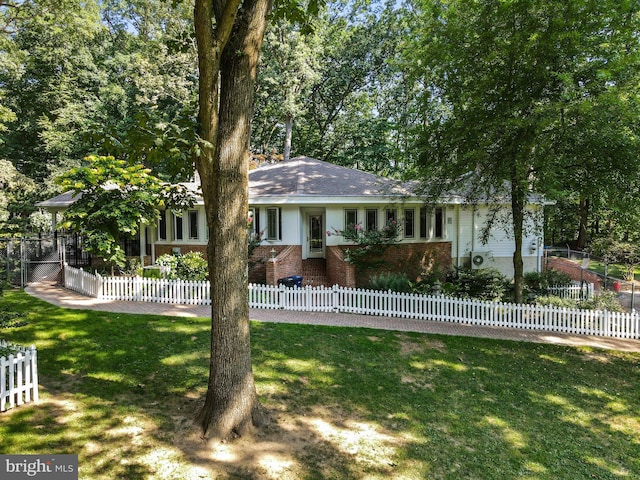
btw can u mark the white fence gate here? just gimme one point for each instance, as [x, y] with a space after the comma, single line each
[18, 376]
[373, 302]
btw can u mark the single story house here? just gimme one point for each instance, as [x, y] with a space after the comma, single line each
[299, 204]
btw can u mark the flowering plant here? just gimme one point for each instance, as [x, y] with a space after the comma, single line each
[370, 245]
[254, 239]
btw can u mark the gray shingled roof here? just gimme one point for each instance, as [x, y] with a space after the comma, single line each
[308, 176]
[59, 201]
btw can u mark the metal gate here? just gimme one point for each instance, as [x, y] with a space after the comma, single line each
[29, 260]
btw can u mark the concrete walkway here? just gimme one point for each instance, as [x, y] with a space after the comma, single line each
[68, 299]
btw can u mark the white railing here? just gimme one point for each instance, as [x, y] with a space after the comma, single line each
[82, 282]
[18, 376]
[574, 292]
[391, 304]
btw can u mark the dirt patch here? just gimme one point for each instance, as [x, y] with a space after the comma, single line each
[322, 441]
[409, 346]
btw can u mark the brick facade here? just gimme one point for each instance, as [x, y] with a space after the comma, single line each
[339, 272]
[411, 259]
[287, 263]
[272, 262]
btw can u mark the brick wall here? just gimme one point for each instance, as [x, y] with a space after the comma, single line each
[572, 269]
[412, 259]
[287, 263]
[259, 260]
[339, 272]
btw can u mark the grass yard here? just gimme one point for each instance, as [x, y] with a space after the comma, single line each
[121, 390]
[616, 271]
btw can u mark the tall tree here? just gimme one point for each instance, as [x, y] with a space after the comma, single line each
[348, 119]
[288, 67]
[53, 86]
[499, 78]
[229, 35]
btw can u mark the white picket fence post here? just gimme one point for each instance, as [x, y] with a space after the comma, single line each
[18, 376]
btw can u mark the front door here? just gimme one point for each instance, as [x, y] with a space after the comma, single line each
[316, 236]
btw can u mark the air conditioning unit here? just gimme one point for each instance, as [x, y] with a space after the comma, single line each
[479, 260]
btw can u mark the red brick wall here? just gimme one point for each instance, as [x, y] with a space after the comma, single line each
[286, 264]
[412, 259]
[574, 270]
[339, 272]
[259, 260]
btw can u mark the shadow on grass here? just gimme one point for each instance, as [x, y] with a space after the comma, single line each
[122, 390]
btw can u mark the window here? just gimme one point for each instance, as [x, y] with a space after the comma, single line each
[432, 223]
[274, 227]
[439, 223]
[350, 217]
[194, 233]
[424, 223]
[162, 226]
[409, 223]
[391, 215]
[372, 219]
[178, 233]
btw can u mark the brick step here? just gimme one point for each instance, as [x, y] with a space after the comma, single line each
[314, 272]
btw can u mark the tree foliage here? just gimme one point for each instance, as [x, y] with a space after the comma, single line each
[113, 199]
[509, 89]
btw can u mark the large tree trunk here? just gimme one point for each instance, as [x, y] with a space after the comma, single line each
[584, 219]
[518, 199]
[231, 406]
[288, 134]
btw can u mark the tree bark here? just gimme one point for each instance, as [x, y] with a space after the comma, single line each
[584, 218]
[228, 66]
[518, 201]
[288, 134]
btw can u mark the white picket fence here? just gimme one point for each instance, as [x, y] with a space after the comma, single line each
[574, 292]
[372, 302]
[18, 376]
[139, 289]
[82, 282]
[447, 309]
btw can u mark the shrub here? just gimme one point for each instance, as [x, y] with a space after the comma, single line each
[555, 301]
[430, 281]
[603, 301]
[396, 282]
[539, 282]
[481, 284]
[190, 266]
[170, 261]
[152, 272]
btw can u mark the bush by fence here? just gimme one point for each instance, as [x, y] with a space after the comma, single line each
[18, 375]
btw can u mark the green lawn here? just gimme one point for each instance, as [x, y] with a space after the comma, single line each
[616, 271]
[121, 390]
